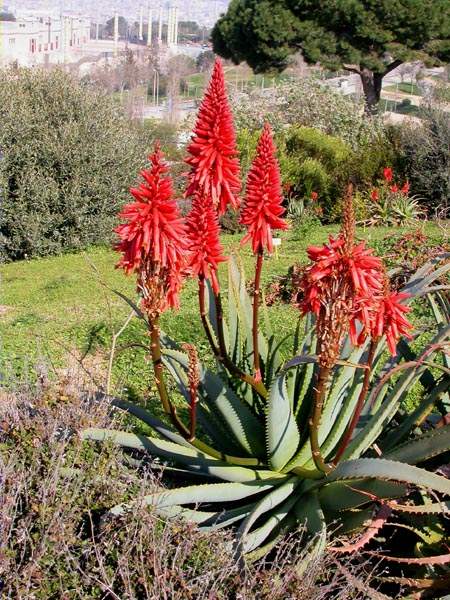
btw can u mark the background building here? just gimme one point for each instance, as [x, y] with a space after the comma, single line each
[40, 40]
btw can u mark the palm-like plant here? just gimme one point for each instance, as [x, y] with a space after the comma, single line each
[316, 440]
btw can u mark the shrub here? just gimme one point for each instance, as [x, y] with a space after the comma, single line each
[230, 222]
[310, 103]
[424, 154]
[68, 153]
[314, 161]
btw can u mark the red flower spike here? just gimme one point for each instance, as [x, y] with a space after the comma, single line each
[152, 238]
[348, 281]
[213, 151]
[374, 195]
[262, 209]
[394, 188]
[390, 320]
[314, 196]
[388, 174]
[203, 240]
[405, 189]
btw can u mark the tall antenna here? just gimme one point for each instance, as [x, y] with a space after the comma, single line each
[116, 32]
[141, 22]
[150, 26]
[160, 25]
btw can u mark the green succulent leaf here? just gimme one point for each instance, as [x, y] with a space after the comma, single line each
[426, 275]
[174, 453]
[221, 400]
[313, 552]
[147, 418]
[341, 496]
[197, 494]
[275, 502]
[310, 514]
[432, 443]
[207, 521]
[212, 315]
[374, 427]
[390, 470]
[281, 428]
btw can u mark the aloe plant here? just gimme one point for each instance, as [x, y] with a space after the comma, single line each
[321, 438]
[259, 459]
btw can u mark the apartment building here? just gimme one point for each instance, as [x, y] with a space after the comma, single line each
[38, 40]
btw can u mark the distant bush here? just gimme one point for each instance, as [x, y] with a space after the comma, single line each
[69, 157]
[313, 161]
[310, 103]
[423, 150]
[230, 222]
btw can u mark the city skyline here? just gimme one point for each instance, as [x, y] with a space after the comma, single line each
[205, 12]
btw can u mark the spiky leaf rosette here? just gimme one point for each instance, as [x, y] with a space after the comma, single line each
[262, 209]
[213, 151]
[153, 237]
[205, 249]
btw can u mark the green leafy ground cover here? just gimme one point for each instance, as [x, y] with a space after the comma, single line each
[406, 88]
[58, 310]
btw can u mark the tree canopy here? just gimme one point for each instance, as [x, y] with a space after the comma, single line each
[123, 27]
[370, 35]
[7, 16]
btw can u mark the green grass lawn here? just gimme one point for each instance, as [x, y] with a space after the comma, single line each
[235, 76]
[57, 308]
[398, 107]
[405, 88]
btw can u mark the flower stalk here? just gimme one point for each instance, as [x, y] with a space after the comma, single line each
[360, 404]
[256, 302]
[169, 408]
[220, 351]
[323, 378]
[194, 382]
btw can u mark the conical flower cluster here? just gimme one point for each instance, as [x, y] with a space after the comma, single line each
[342, 286]
[262, 210]
[152, 237]
[205, 250]
[347, 288]
[213, 151]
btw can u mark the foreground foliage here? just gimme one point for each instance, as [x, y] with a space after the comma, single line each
[54, 545]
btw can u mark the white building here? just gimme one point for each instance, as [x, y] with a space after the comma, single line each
[38, 40]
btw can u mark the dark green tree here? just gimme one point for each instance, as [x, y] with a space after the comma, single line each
[367, 37]
[123, 28]
[7, 16]
[205, 61]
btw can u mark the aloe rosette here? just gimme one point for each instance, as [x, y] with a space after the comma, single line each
[259, 470]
